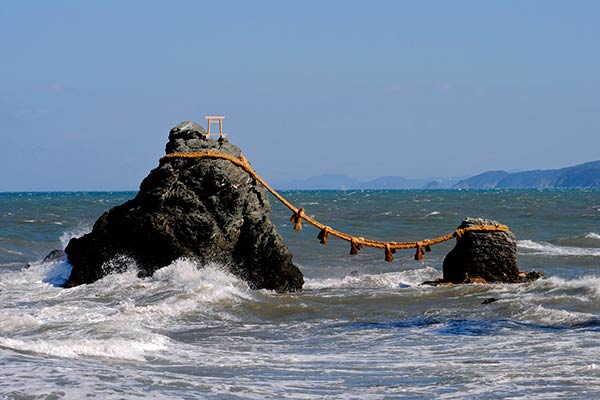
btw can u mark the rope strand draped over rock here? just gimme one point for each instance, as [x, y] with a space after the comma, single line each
[356, 243]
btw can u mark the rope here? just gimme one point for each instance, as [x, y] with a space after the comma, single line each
[356, 243]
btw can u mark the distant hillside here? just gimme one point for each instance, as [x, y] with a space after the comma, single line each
[343, 182]
[393, 182]
[321, 182]
[585, 175]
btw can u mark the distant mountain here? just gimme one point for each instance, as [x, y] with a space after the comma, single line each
[585, 175]
[321, 182]
[393, 182]
[343, 182]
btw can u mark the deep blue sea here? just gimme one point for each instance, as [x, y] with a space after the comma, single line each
[362, 328]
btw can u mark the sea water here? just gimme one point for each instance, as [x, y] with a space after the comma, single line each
[361, 329]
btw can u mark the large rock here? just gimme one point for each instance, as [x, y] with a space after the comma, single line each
[206, 209]
[483, 257]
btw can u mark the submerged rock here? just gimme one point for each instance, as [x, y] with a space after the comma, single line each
[483, 257]
[55, 255]
[209, 210]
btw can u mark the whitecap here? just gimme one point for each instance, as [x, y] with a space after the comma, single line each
[13, 322]
[13, 252]
[58, 274]
[432, 214]
[382, 213]
[590, 285]
[74, 233]
[389, 280]
[210, 283]
[541, 315]
[547, 249]
[592, 235]
[128, 349]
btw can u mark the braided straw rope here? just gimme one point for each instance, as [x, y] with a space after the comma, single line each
[356, 242]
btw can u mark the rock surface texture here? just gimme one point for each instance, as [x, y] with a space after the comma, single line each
[206, 209]
[483, 257]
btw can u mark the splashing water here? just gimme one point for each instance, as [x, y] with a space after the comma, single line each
[361, 329]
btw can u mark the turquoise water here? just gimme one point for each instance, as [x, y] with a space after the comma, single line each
[362, 328]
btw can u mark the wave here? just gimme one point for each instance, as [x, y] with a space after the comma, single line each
[547, 249]
[134, 349]
[558, 318]
[58, 274]
[11, 252]
[210, 283]
[74, 233]
[389, 280]
[432, 214]
[587, 288]
[592, 235]
[116, 316]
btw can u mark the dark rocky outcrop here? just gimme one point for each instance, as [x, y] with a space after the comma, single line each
[55, 256]
[206, 209]
[483, 257]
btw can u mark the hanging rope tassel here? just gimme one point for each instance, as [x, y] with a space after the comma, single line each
[355, 246]
[323, 235]
[388, 253]
[419, 253]
[296, 218]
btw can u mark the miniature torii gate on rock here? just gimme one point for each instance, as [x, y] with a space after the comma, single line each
[213, 119]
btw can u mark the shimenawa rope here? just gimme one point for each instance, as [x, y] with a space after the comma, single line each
[356, 243]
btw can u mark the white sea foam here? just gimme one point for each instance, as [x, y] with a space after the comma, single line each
[127, 349]
[210, 283]
[432, 214]
[555, 317]
[386, 280]
[588, 285]
[592, 235]
[58, 274]
[13, 252]
[13, 322]
[74, 233]
[548, 249]
[180, 289]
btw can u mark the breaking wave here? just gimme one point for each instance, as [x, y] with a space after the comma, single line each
[386, 280]
[74, 233]
[547, 249]
[116, 316]
[592, 235]
[127, 349]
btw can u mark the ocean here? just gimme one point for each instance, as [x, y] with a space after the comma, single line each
[361, 329]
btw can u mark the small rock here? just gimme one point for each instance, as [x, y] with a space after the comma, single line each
[490, 300]
[483, 257]
[55, 255]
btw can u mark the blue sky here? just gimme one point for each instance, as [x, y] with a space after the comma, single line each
[90, 90]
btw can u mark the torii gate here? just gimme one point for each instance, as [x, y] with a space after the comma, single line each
[212, 119]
